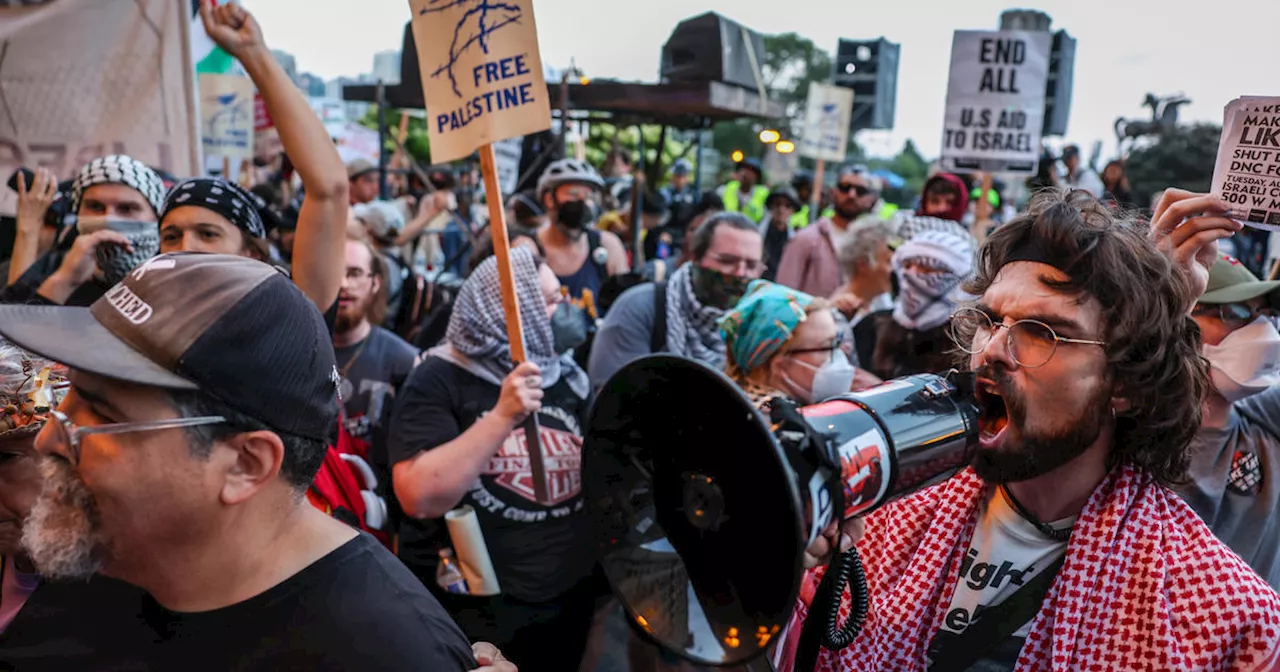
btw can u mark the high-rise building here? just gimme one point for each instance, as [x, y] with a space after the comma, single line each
[386, 66]
[287, 62]
[312, 85]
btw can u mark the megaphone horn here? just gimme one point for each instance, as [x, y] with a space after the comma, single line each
[703, 507]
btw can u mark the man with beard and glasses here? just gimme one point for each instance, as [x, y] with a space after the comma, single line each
[809, 262]
[203, 396]
[1061, 546]
[681, 315]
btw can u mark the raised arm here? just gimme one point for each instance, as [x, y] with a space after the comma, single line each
[318, 261]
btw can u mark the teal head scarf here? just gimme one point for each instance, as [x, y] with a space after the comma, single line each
[761, 323]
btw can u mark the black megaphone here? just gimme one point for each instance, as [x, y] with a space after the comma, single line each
[703, 506]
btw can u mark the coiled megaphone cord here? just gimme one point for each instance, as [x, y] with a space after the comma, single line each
[844, 567]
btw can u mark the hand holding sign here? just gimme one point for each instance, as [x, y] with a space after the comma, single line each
[1186, 227]
[482, 80]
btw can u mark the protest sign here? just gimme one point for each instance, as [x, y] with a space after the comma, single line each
[995, 101]
[482, 79]
[508, 153]
[266, 139]
[1247, 174]
[226, 116]
[826, 122]
[82, 80]
[481, 73]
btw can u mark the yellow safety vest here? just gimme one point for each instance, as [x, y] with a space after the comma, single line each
[800, 219]
[753, 208]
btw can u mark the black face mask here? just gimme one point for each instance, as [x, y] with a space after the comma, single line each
[575, 215]
[568, 327]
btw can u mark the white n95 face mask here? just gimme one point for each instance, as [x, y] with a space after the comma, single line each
[1247, 361]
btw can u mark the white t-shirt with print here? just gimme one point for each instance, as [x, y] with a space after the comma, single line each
[1006, 552]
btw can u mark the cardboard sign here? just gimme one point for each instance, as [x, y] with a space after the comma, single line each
[226, 116]
[481, 73]
[995, 101]
[826, 122]
[1247, 174]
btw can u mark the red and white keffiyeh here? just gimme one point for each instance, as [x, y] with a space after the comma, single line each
[1145, 586]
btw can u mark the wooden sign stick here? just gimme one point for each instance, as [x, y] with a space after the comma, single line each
[511, 307]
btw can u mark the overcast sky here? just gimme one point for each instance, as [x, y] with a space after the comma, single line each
[1211, 51]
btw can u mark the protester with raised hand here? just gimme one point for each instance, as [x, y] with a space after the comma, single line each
[108, 188]
[1090, 382]
[32, 237]
[207, 215]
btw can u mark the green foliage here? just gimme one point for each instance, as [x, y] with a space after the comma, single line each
[910, 166]
[416, 142]
[1182, 157]
[603, 137]
[791, 63]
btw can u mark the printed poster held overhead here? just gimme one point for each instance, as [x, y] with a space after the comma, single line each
[1247, 174]
[826, 122]
[995, 101]
[481, 73]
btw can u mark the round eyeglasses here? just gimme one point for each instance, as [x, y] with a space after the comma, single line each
[1031, 343]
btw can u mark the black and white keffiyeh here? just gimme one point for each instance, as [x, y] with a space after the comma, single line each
[118, 169]
[693, 330]
[930, 268]
[225, 198]
[478, 327]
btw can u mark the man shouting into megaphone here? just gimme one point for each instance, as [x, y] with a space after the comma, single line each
[1061, 546]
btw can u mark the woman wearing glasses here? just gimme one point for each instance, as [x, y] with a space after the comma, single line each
[782, 342]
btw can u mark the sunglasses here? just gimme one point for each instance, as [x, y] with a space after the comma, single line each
[857, 189]
[1234, 315]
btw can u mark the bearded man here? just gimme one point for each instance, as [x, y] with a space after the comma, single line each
[1062, 547]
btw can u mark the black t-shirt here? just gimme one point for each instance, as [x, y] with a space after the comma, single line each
[370, 371]
[77, 625]
[356, 608]
[538, 552]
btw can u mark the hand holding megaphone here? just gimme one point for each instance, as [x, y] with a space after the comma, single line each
[839, 536]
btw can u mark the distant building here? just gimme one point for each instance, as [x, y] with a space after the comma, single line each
[333, 89]
[311, 85]
[386, 66]
[287, 62]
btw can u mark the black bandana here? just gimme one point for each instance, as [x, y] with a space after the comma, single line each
[1034, 249]
[225, 198]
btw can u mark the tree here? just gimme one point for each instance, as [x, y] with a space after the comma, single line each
[791, 63]
[1182, 157]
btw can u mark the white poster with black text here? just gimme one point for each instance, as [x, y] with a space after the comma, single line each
[1247, 174]
[995, 101]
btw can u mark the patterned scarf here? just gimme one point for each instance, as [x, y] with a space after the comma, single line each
[761, 323]
[118, 169]
[225, 198]
[1145, 586]
[693, 330]
[930, 268]
[478, 326]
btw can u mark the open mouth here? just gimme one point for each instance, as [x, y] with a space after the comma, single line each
[994, 415]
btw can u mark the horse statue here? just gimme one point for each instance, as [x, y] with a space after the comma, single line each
[1164, 115]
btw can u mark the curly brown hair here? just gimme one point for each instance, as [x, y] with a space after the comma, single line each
[1153, 346]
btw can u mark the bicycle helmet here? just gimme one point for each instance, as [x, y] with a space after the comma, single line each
[567, 171]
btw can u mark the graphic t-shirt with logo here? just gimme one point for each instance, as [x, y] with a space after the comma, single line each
[373, 367]
[539, 550]
[1007, 551]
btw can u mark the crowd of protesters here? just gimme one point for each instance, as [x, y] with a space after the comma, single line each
[234, 420]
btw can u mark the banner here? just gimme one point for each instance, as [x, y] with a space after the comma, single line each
[995, 101]
[826, 122]
[482, 76]
[86, 79]
[226, 116]
[266, 139]
[356, 142]
[1247, 173]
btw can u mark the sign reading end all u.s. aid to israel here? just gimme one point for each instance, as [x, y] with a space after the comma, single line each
[995, 101]
[481, 73]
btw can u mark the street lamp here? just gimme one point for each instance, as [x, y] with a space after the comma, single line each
[769, 136]
[785, 146]
[737, 156]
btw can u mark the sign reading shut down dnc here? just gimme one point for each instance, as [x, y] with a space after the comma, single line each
[481, 73]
